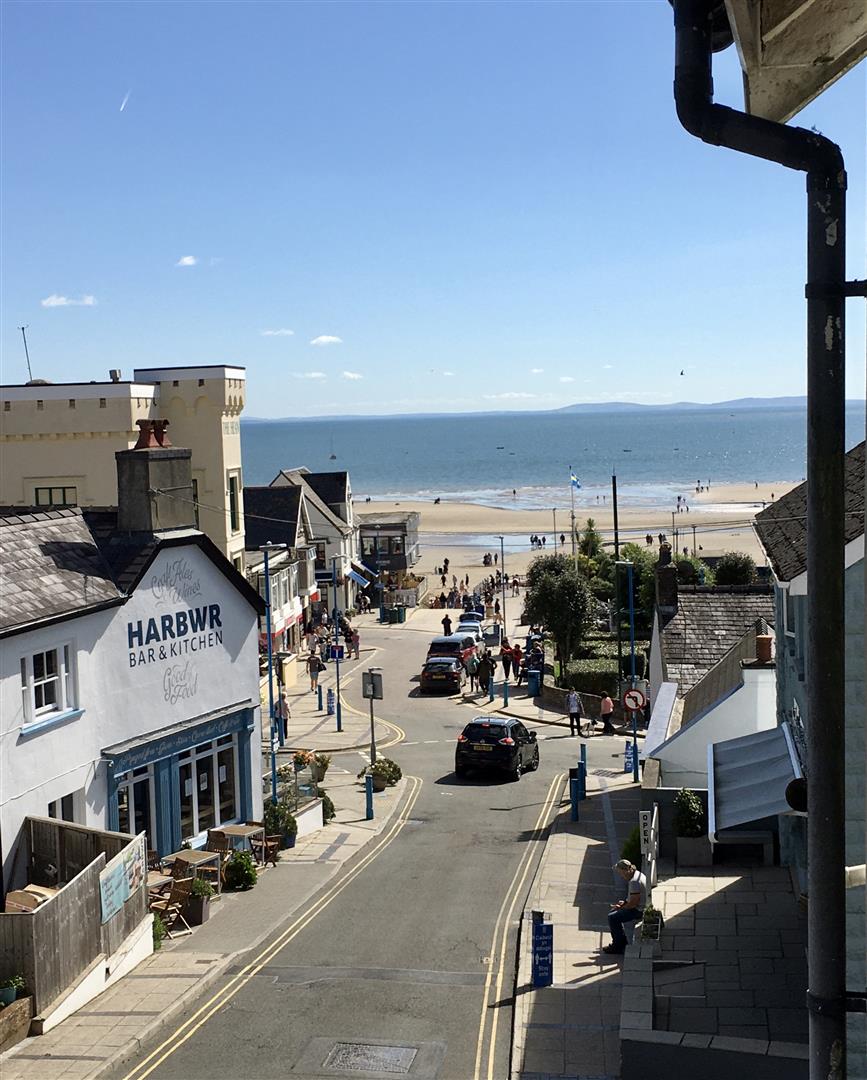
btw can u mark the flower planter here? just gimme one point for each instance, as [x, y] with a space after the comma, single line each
[318, 773]
[694, 851]
[7, 995]
[289, 840]
[379, 782]
[198, 910]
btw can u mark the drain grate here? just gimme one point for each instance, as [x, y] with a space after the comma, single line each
[365, 1057]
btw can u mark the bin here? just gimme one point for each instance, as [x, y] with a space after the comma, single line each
[392, 615]
[401, 614]
[534, 683]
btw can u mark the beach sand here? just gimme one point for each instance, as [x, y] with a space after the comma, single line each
[463, 532]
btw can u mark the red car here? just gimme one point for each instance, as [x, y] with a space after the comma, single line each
[458, 646]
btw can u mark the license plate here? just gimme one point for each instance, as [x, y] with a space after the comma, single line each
[437, 676]
[482, 746]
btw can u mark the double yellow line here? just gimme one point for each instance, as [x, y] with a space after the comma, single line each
[223, 996]
[493, 989]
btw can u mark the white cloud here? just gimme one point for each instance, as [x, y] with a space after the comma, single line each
[607, 367]
[67, 301]
[187, 260]
[352, 375]
[537, 370]
[277, 333]
[449, 374]
[309, 375]
[510, 395]
[327, 339]
[566, 378]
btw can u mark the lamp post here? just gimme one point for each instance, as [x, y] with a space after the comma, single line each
[266, 550]
[503, 578]
[334, 618]
[632, 679]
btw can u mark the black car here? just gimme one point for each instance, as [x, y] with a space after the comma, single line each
[442, 673]
[501, 744]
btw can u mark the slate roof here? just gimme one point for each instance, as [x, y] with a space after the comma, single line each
[331, 487]
[271, 516]
[723, 677]
[50, 566]
[300, 478]
[409, 518]
[782, 526]
[708, 622]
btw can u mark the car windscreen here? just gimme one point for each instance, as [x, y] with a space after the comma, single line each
[443, 663]
[484, 732]
[445, 648]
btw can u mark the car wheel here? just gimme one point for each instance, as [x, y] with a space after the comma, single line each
[516, 773]
[534, 761]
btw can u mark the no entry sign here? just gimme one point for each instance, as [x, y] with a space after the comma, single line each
[634, 700]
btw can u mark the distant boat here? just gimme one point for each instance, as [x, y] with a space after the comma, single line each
[332, 456]
[501, 448]
[627, 451]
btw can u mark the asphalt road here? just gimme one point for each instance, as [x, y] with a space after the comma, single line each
[419, 950]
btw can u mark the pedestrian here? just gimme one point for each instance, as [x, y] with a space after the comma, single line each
[467, 581]
[517, 657]
[544, 540]
[606, 708]
[443, 580]
[562, 539]
[356, 644]
[447, 624]
[472, 666]
[629, 910]
[506, 658]
[484, 672]
[314, 666]
[443, 600]
[445, 566]
[284, 715]
[573, 707]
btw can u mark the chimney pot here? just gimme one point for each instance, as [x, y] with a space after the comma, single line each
[764, 646]
[666, 580]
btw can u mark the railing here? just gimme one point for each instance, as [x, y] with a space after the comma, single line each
[648, 828]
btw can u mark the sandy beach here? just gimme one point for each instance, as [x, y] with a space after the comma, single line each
[718, 520]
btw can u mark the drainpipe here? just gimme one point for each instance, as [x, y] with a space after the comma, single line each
[826, 290]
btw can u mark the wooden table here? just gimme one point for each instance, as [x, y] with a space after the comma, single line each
[196, 859]
[157, 881]
[246, 832]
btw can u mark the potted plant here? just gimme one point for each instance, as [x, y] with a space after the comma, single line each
[319, 767]
[690, 828]
[651, 923]
[279, 820]
[199, 904]
[10, 989]
[301, 759]
[383, 771]
[241, 871]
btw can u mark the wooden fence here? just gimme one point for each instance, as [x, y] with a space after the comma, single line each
[54, 944]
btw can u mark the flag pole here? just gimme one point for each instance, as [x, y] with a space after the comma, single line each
[572, 494]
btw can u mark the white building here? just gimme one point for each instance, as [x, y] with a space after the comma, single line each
[129, 681]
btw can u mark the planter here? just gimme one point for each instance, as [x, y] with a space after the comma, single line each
[289, 840]
[379, 782]
[694, 851]
[318, 773]
[650, 931]
[7, 995]
[198, 910]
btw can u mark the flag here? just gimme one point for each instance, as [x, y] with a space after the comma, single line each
[576, 483]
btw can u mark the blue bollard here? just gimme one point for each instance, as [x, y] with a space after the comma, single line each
[582, 780]
[368, 798]
[319, 697]
[627, 757]
[491, 688]
[582, 750]
[573, 798]
[329, 702]
[505, 693]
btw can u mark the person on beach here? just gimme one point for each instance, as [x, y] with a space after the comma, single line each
[606, 708]
[314, 666]
[573, 707]
[562, 539]
[447, 624]
[506, 658]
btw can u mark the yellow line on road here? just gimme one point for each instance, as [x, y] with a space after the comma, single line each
[501, 927]
[202, 1015]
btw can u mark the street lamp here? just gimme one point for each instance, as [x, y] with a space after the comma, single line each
[503, 579]
[632, 679]
[267, 550]
[335, 620]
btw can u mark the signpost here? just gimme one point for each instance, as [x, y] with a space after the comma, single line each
[336, 652]
[543, 950]
[645, 818]
[634, 700]
[371, 688]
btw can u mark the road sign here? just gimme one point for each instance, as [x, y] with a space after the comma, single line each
[543, 950]
[634, 700]
[336, 652]
[629, 757]
[371, 685]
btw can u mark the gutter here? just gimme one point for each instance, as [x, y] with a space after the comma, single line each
[810, 152]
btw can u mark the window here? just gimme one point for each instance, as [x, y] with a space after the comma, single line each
[72, 403]
[238, 562]
[102, 403]
[40, 405]
[56, 496]
[135, 803]
[234, 509]
[368, 546]
[320, 557]
[208, 778]
[47, 683]
[63, 808]
[396, 545]
[195, 486]
[789, 613]
[175, 382]
[201, 382]
[7, 406]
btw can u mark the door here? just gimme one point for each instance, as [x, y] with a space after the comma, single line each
[491, 635]
[522, 738]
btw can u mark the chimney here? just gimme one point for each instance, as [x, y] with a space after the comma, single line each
[666, 580]
[764, 643]
[154, 483]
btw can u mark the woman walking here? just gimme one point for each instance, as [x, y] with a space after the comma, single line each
[506, 655]
[314, 666]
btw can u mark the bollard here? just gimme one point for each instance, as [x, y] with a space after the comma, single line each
[329, 700]
[491, 688]
[582, 780]
[505, 693]
[368, 797]
[582, 752]
[627, 757]
[573, 798]
[319, 696]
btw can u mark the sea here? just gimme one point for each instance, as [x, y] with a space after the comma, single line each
[524, 460]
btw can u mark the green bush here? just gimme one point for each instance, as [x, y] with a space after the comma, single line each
[279, 820]
[384, 767]
[241, 871]
[201, 887]
[327, 805]
[160, 931]
[598, 676]
[632, 847]
[601, 589]
[689, 815]
[735, 568]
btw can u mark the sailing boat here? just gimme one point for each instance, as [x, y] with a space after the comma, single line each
[332, 456]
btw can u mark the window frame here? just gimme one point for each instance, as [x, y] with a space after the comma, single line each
[64, 489]
[65, 678]
[233, 492]
[191, 757]
[788, 613]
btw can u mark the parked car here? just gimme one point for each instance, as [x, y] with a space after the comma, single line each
[442, 673]
[471, 629]
[472, 616]
[458, 646]
[504, 745]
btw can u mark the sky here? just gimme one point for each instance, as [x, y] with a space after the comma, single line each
[399, 207]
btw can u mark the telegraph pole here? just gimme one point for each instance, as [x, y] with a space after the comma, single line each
[617, 588]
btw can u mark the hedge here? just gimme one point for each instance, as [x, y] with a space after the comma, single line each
[592, 676]
[607, 650]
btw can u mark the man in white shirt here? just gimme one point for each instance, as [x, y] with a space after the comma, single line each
[629, 910]
[573, 707]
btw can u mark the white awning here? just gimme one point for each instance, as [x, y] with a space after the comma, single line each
[747, 778]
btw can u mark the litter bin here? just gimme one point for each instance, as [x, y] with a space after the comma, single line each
[401, 614]
[534, 683]
[392, 615]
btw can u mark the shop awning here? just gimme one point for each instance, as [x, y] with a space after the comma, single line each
[747, 778]
[358, 579]
[362, 571]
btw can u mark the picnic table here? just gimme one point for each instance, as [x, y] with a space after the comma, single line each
[197, 862]
[248, 833]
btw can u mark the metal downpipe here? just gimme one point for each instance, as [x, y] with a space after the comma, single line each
[822, 161]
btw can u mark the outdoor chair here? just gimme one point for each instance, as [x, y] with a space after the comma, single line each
[171, 908]
[217, 842]
[267, 850]
[154, 861]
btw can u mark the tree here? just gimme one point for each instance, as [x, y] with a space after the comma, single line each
[590, 543]
[547, 564]
[735, 568]
[564, 605]
[692, 571]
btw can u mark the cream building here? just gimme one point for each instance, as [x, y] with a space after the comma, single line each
[57, 441]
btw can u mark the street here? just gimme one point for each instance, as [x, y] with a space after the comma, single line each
[405, 963]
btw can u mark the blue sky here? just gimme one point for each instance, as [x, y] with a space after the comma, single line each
[450, 206]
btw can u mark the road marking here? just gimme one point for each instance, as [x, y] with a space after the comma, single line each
[501, 927]
[430, 742]
[223, 996]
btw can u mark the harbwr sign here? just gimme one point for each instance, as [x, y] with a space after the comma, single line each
[174, 635]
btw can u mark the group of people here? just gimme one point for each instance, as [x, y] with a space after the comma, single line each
[319, 639]
[575, 711]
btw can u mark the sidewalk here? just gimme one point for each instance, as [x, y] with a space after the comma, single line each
[115, 1025]
[572, 1028]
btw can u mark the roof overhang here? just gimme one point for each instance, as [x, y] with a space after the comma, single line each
[747, 778]
[792, 50]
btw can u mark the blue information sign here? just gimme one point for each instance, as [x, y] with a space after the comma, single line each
[336, 652]
[543, 953]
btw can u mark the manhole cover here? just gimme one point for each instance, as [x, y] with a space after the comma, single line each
[364, 1057]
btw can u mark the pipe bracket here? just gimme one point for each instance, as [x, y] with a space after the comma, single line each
[821, 291]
